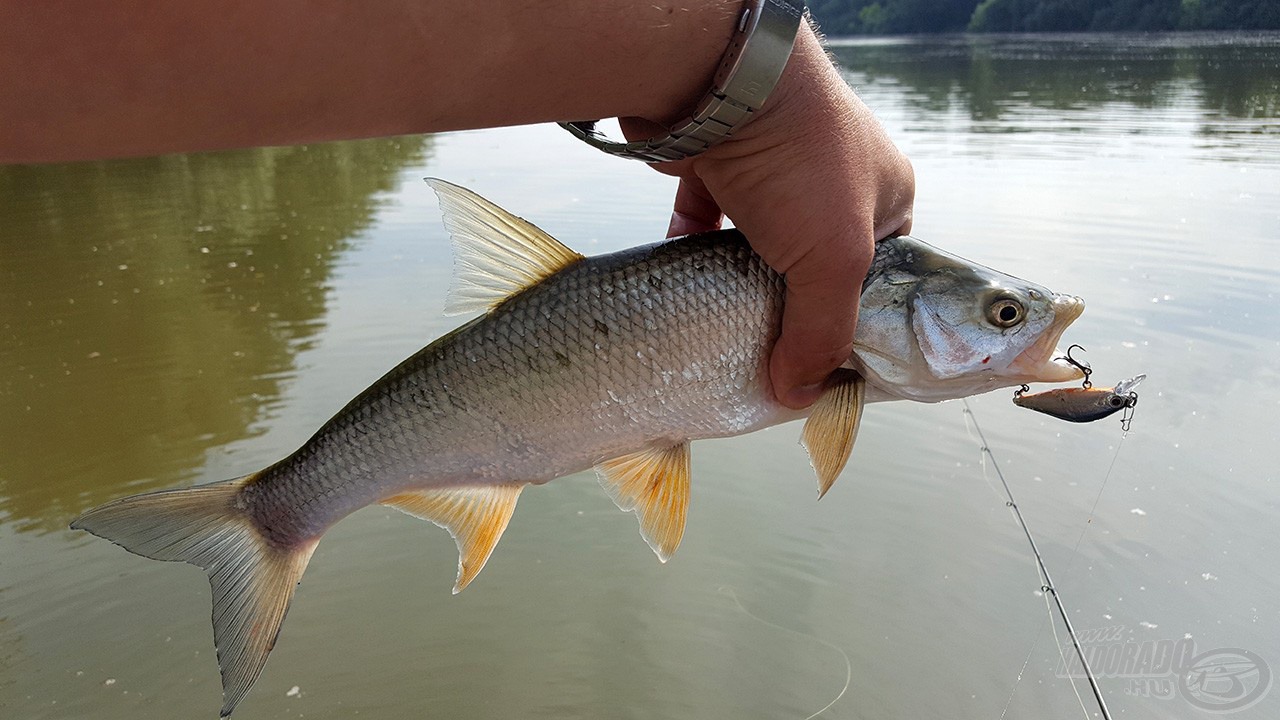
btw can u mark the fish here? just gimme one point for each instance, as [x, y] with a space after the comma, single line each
[1082, 404]
[615, 362]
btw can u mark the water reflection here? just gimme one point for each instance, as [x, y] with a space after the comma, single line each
[1000, 84]
[150, 309]
[912, 565]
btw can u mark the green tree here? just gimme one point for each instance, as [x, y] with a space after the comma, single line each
[870, 17]
[839, 17]
[1076, 15]
[1229, 15]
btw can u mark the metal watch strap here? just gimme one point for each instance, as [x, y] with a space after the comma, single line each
[756, 57]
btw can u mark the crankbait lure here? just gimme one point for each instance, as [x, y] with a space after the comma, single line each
[1083, 404]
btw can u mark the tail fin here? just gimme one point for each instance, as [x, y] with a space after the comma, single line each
[252, 580]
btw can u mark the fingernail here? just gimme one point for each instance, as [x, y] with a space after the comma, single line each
[803, 396]
[682, 224]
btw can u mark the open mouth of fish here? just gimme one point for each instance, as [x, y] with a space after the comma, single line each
[1043, 361]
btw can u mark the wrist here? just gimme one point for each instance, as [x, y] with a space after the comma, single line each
[757, 53]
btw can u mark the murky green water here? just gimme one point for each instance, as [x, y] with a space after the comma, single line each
[188, 319]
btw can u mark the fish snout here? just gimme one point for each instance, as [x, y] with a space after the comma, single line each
[1043, 362]
[1066, 308]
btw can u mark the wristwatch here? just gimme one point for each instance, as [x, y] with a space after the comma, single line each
[757, 54]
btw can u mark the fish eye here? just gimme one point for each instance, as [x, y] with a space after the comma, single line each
[1005, 312]
[1115, 401]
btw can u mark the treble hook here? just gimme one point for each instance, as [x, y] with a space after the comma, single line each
[1082, 367]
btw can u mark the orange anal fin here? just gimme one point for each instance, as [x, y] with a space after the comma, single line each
[474, 516]
[654, 483]
[833, 426]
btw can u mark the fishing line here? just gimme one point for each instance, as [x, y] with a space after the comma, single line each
[848, 666]
[1048, 587]
[1093, 509]
[1027, 661]
[970, 423]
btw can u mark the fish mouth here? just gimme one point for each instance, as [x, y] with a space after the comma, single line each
[1043, 361]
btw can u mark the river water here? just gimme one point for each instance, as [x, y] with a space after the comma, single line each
[187, 319]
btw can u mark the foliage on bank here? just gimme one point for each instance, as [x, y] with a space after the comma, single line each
[883, 17]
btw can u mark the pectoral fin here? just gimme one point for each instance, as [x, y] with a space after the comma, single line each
[833, 426]
[474, 516]
[655, 484]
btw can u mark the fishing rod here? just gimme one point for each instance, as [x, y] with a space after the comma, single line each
[1048, 586]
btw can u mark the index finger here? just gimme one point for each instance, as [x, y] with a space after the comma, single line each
[695, 210]
[820, 314]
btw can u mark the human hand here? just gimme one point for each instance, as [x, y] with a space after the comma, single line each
[812, 181]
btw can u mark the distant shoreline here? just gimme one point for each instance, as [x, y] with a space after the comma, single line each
[930, 17]
[1138, 36]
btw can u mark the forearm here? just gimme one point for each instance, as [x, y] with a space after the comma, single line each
[83, 80]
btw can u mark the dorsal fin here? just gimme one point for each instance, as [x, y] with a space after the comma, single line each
[495, 253]
[474, 516]
[653, 482]
[833, 426]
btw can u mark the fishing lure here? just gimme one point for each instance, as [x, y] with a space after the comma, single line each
[1086, 403]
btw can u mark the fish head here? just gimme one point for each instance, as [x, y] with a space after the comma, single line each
[933, 326]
